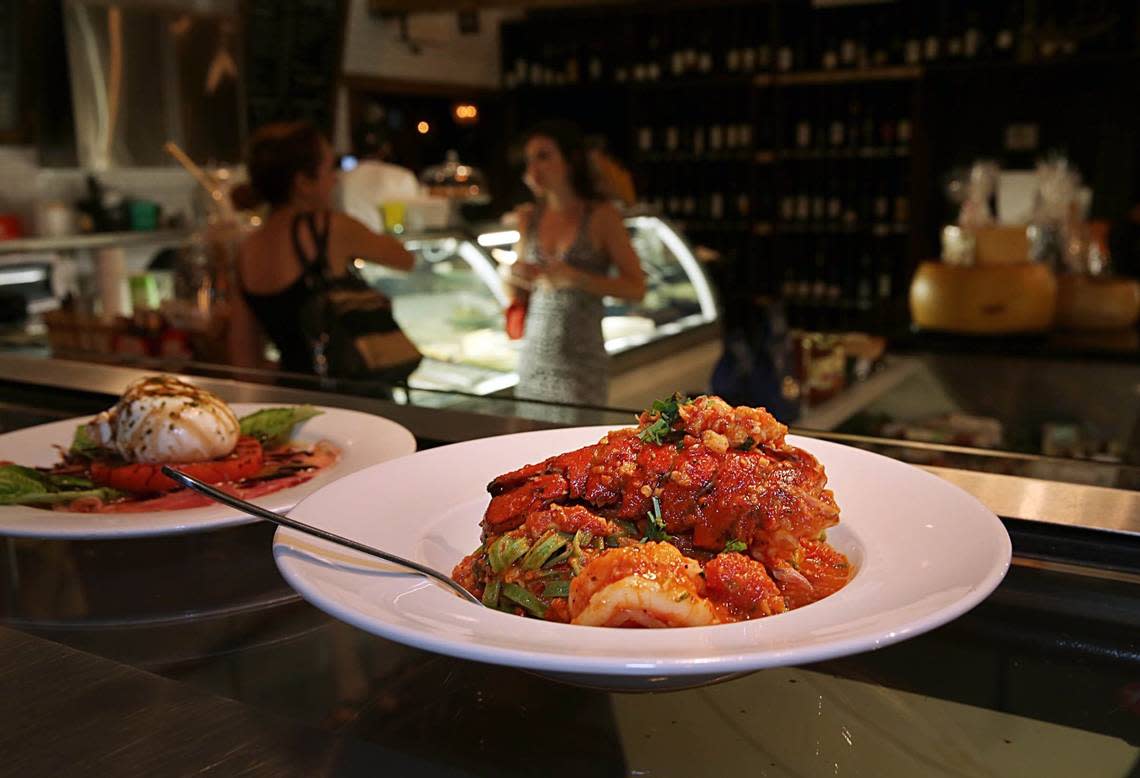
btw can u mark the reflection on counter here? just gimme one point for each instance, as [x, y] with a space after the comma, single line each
[1038, 412]
[451, 305]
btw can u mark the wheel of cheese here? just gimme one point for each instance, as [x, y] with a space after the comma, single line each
[1085, 303]
[992, 299]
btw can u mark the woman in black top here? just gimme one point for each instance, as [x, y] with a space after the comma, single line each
[291, 166]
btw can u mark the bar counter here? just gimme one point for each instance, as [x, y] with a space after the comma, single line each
[189, 653]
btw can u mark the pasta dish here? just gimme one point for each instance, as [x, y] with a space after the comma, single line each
[702, 514]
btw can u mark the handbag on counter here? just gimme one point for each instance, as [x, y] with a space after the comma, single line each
[516, 318]
[349, 324]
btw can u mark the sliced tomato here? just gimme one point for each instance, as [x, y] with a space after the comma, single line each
[245, 461]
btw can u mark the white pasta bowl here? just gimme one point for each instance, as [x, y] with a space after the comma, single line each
[924, 552]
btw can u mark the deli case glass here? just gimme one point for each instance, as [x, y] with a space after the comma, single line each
[451, 304]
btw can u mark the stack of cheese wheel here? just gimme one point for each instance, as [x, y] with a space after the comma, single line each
[1002, 292]
[1088, 303]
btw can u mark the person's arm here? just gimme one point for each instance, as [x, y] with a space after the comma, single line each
[522, 274]
[353, 239]
[628, 284]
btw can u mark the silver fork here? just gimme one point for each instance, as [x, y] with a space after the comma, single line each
[190, 482]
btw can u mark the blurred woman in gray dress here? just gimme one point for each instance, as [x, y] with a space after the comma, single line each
[573, 251]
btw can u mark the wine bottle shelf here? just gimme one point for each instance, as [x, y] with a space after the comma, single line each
[795, 138]
[827, 77]
[771, 157]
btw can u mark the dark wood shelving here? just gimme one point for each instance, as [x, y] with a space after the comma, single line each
[763, 254]
[738, 155]
[887, 229]
[831, 155]
[827, 77]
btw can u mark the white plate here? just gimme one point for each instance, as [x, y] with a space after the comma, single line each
[924, 551]
[362, 438]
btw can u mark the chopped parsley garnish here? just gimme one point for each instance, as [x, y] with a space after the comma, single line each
[655, 529]
[736, 545]
[747, 444]
[668, 411]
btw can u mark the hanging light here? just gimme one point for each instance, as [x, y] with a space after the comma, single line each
[465, 113]
[423, 128]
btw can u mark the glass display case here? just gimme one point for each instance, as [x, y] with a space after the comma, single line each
[451, 304]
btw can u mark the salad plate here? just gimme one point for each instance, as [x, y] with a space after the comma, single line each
[362, 440]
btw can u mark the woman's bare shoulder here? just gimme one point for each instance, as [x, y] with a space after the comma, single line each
[605, 216]
[253, 245]
[519, 218]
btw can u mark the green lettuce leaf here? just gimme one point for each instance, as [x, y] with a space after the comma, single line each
[83, 443]
[26, 486]
[274, 426]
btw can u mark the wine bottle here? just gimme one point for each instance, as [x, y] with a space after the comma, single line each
[881, 205]
[1005, 37]
[902, 201]
[653, 69]
[972, 40]
[955, 38]
[645, 139]
[836, 131]
[818, 209]
[887, 133]
[785, 59]
[747, 60]
[732, 49]
[763, 57]
[677, 61]
[689, 205]
[864, 288]
[848, 48]
[705, 55]
[854, 121]
[868, 134]
[912, 48]
[716, 137]
[834, 215]
[594, 68]
[931, 47]
[744, 135]
[787, 209]
[903, 133]
[672, 138]
[716, 206]
[699, 140]
[828, 53]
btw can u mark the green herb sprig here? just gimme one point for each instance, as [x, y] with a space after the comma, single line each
[668, 412]
[655, 529]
